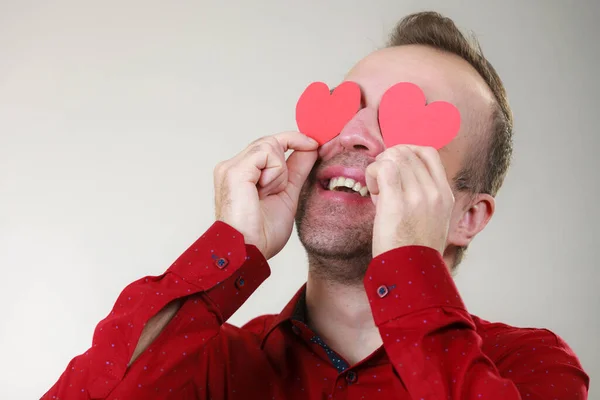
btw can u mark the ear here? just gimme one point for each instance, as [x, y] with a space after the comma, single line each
[471, 214]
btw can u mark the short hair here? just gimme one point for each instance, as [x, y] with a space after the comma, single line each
[488, 161]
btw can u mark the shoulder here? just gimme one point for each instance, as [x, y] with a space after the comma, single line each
[499, 333]
[505, 345]
[537, 359]
[260, 324]
[255, 328]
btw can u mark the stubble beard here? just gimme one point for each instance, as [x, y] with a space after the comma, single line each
[337, 252]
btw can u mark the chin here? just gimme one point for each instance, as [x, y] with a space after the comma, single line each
[332, 231]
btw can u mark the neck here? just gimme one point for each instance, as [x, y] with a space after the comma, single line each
[338, 309]
[339, 312]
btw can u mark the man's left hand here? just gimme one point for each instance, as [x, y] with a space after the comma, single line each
[413, 199]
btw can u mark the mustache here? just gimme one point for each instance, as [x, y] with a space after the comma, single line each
[346, 159]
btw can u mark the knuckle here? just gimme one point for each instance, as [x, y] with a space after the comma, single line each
[266, 146]
[404, 155]
[432, 154]
[255, 148]
[258, 146]
[414, 198]
[428, 150]
[436, 198]
[258, 141]
[394, 153]
[388, 170]
[403, 150]
[271, 140]
[441, 198]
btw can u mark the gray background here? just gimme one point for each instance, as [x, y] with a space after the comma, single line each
[113, 115]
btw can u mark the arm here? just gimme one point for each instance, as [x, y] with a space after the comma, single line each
[435, 349]
[133, 356]
[155, 326]
[196, 295]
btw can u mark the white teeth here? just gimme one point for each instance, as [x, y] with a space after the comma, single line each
[332, 183]
[341, 181]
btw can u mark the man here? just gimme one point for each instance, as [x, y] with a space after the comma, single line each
[379, 316]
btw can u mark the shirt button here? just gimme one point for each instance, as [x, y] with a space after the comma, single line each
[240, 282]
[351, 377]
[296, 330]
[221, 263]
[382, 291]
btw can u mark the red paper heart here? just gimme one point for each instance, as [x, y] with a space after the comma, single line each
[322, 115]
[404, 118]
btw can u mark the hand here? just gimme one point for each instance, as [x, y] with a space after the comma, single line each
[413, 199]
[257, 191]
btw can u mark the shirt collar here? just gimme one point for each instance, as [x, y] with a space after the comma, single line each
[294, 310]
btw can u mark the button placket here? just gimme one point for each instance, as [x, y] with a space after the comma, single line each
[296, 330]
[240, 282]
[351, 377]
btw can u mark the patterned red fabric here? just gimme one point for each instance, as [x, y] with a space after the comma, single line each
[432, 347]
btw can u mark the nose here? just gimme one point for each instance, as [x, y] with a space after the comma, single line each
[361, 134]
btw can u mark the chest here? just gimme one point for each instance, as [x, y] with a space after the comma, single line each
[298, 372]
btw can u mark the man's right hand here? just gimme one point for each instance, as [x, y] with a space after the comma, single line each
[256, 192]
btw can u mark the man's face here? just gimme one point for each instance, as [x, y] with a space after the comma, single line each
[339, 224]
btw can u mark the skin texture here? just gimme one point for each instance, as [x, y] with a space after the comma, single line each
[330, 232]
[339, 238]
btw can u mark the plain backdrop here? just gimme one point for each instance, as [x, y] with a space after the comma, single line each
[114, 113]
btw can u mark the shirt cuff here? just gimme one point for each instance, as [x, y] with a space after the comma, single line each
[408, 280]
[222, 266]
[228, 296]
[214, 257]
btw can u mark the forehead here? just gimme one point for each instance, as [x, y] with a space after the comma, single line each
[441, 76]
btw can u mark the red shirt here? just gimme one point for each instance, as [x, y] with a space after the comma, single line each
[432, 349]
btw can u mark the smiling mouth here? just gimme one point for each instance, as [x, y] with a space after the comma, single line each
[343, 184]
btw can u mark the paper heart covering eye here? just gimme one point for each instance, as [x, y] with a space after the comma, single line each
[321, 114]
[405, 118]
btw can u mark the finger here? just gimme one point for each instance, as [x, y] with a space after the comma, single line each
[269, 155]
[437, 172]
[295, 141]
[419, 169]
[407, 164]
[383, 176]
[274, 167]
[371, 181]
[275, 186]
[282, 142]
[299, 164]
[371, 178]
[432, 161]
[249, 166]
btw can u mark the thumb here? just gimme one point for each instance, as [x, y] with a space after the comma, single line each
[299, 165]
